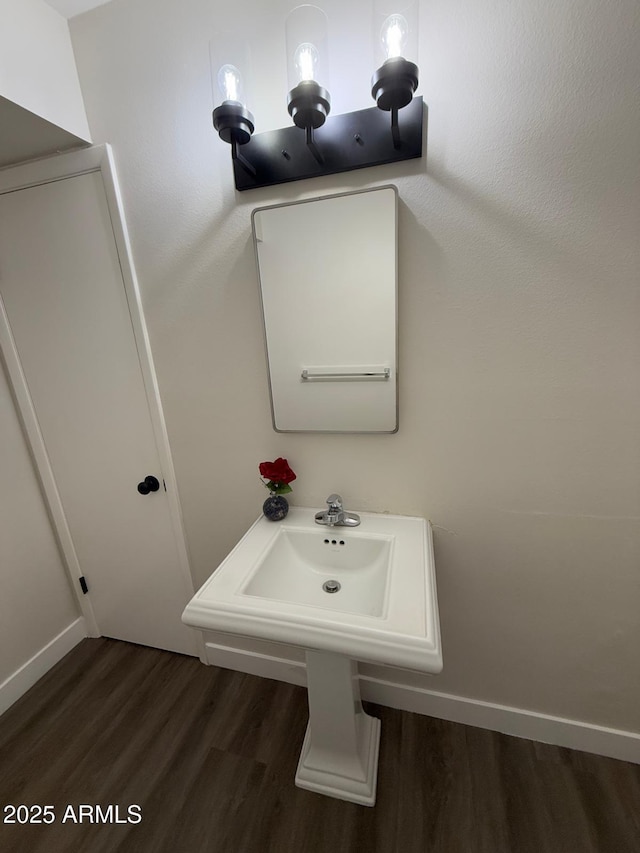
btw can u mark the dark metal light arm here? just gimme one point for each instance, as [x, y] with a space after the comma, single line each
[237, 157]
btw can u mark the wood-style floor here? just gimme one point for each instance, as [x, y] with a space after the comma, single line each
[210, 757]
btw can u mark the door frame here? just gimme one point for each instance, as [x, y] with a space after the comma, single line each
[98, 158]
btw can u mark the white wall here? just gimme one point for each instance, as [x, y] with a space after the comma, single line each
[37, 67]
[36, 603]
[519, 314]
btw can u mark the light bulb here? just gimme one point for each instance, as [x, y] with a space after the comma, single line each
[230, 84]
[394, 35]
[306, 61]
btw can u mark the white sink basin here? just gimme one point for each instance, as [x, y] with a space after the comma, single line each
[385, 611]
[298, 564]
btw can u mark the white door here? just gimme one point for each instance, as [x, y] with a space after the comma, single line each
[66, 304]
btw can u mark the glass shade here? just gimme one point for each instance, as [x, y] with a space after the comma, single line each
[395, 30]
[230, 73]
[307, 46]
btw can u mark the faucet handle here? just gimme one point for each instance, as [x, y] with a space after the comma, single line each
[335, 501]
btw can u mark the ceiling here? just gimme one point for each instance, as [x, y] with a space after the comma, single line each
[26, 136]
[69, 8]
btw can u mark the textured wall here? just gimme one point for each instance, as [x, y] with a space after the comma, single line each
[36, 602]
[519, 315]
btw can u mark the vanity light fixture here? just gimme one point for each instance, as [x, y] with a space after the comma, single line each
[231, 118]
[318, 144]
[308, 102]
[393, 84]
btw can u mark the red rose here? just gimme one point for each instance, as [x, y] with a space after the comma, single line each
[278, 471]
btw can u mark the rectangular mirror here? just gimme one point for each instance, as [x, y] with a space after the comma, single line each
[328, 281]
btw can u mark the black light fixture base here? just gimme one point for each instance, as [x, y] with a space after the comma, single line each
[308, 105]
[350, 141]
[393, 84]
[233, 122]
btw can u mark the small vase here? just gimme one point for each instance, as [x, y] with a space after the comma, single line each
[275, 508]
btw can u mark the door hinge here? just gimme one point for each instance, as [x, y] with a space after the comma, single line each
[83, 585]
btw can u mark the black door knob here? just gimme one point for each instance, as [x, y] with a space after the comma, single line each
[149, 484]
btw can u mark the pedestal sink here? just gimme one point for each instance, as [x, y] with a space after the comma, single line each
[345, 595]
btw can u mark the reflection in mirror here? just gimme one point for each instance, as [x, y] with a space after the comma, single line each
[328, 281]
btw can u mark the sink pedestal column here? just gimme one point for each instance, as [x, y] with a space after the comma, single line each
[340, 751]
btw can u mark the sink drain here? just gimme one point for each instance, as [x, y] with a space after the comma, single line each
[331, 586]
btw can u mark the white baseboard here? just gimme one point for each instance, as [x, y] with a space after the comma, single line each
[24, 678]
[266, 666]
[587, 737]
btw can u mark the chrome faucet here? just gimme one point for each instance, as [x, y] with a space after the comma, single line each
[336, 515]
